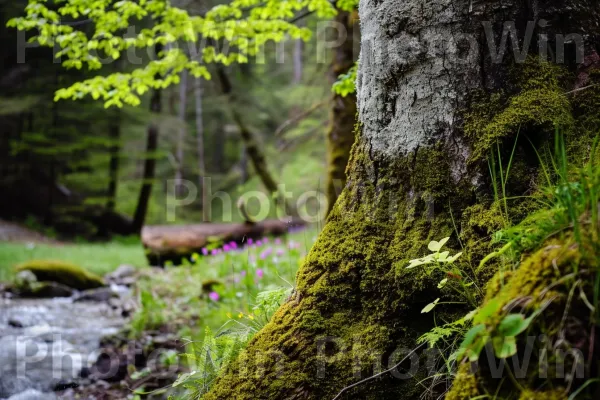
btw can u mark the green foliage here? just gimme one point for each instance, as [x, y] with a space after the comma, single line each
[345, 84]
[208, 359]
[246, 26]
[151, 314]
[455, 277]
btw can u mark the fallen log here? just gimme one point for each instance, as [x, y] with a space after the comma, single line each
[163, 243]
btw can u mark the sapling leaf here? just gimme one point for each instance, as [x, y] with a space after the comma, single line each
[435, 246]
[505, 347]
[442, 283]
[513, 324]
[443, 256]
[430, 306]
[472, 344]
[453, 258]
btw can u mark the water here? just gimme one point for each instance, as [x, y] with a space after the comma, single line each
[46, 342]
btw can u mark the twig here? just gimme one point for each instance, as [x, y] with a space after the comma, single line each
[581, 89]
[379, 374]
[297, 118]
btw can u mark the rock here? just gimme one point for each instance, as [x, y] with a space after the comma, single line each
[43, 290]
[15, 323]
[32, 394]
[62, 272]
[31, 363]
[103, 294]
[122, 272]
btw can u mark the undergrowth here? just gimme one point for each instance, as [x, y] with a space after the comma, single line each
[561, 235]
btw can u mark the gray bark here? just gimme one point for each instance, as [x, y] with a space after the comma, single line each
[198, 92]
[182, 133]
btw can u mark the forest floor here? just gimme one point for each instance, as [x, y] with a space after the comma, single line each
[227, 295]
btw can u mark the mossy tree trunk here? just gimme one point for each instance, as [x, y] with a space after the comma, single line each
[340, 134]
[432, 104]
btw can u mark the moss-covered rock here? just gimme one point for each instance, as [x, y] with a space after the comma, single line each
[543, 287]
[62, 272]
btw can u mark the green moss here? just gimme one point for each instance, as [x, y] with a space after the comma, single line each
[464, 385]
[356, 305]
[541, 283]
[556, 394]
[62, 272]
[539, 101]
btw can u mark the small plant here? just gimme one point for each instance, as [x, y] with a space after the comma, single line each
[454, 279]
[151, 314]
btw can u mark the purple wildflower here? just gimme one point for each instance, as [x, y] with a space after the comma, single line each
[260, 273]
[226, 248]
[214, 296]
[266, 253]
[214, 252]
[204, 251]
[277, 241]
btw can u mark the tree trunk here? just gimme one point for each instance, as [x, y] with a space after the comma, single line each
[114, 154]
[298, 61]
[340, 135]
[432, 105]
[141, 210]
[200, 147]
[253, 150]
[182, 133]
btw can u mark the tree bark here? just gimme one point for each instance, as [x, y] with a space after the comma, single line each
[340, 135]
[182, 133]
[114, 162]
[253, 150]
[141, 210]
[298, 60]
[418, 172]
[200, 147]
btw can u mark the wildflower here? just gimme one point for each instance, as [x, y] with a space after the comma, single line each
[250, 316]
[250, 241]
[243, 273]
[204, 251]
[233, 245]
[240, 315]
[259, 243]
[265, 240]
[280, 252]
[266, 253]
[277, 241]
[226, 248]
[214, 252]
[260, 273]
[214, 296]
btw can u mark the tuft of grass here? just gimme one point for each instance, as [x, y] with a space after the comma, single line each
[99, 258]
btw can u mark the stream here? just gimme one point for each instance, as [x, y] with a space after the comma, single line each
[45, 343]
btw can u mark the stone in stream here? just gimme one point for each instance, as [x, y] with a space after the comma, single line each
[31, 363]
[32, 394]
[53, 341]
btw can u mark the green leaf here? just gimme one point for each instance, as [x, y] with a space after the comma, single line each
[442, 283]
[436, 246]
[505, 347]
[430, 306]
[513, 324]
